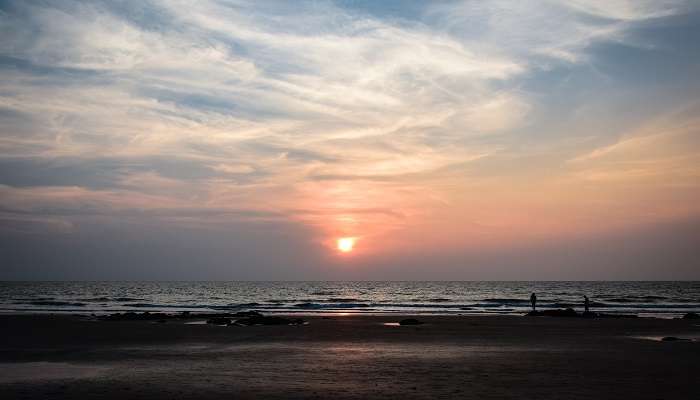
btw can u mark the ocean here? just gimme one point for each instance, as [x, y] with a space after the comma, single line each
[659, 299]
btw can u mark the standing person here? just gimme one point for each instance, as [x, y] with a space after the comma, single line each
[586, 303]
[533, 301]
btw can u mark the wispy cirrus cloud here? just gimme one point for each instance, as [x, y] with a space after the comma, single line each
[540, 34]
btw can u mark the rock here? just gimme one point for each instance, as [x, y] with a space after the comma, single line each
[691, 315]
[132, 316]
[616, 315]
[263, 320]
[672, 339]
[242, 314]
[569, 312]
[410, 321]
[219, 321]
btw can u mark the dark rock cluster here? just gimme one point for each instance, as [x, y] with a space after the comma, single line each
[263, 320]
[242, 318]
[133, 316]
[219, 321]
[691, 315]
[571, 313]
[674, 339]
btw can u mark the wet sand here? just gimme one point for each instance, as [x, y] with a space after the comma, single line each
[350, 357]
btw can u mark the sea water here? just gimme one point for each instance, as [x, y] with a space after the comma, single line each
[661, 299]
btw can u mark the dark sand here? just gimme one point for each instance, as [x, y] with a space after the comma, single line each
[490, 357]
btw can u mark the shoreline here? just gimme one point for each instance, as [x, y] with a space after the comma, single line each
[321, 313]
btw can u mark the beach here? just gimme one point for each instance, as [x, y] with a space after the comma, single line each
[350, 356]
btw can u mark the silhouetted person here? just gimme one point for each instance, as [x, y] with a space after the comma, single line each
[586, 303]
[533, 301]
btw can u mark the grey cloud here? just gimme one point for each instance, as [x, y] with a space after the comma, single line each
[22, 224]
[275, 251]
[265, 146]
[145, 14]
[350, 211]
[106, 172]
[198, 101]
[27, 172]
[350, 177]
[93, 209]
[149, 249]
[38, 74]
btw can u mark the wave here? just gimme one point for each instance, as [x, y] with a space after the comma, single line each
[636, 299]
[150, 305]
[324, 293]
[508, 301]
[342, 300]
[195, 306]
[226, 307]
[653, 305]
[434, 300]
[622, 300]
[653, 297]
[317, 306]
[109, 299]
[52, 303]
[33, 299]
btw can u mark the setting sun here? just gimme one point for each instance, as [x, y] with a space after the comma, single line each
[346, 244]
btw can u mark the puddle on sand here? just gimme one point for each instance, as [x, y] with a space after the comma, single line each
[399, 324]
[47, 371]
[661, 338]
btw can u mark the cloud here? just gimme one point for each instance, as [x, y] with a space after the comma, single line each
[664, 151]
[318, 113]
[225, 85]
[539, 33]
[628, 10]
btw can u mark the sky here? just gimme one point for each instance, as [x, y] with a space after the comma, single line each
[447, 140]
